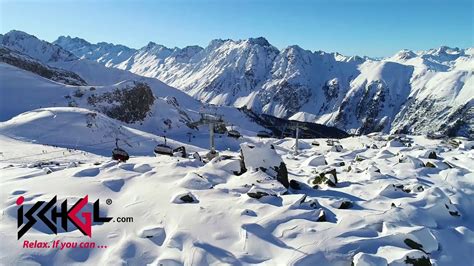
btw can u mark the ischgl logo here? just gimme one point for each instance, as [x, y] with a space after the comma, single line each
[48, 214]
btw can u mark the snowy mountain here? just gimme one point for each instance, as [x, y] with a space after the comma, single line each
[25, 62]
[360, 95]
[52, 55]
[105, 53]
[23, 91]
[140, 102]
[29, 91]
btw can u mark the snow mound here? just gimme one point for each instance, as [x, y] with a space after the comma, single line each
[314, 161]
[187, 212]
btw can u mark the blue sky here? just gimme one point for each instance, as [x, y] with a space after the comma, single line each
[362, 27]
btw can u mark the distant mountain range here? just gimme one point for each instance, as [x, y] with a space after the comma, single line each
[410, 92]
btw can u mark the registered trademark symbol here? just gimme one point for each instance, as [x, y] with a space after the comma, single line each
[108, 201]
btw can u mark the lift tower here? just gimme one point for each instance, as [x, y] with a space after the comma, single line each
[212, 120]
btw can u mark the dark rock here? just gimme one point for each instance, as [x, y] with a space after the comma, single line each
[412, 244]
[257, 194]
[295, 184]
[402, 188]
[131, 104]
[187, 199]
[282, 174]
[346, 205]
[321, 217]
[423, 261]
[323, 178]
[430, 165]
[432, 155]
[454, 213]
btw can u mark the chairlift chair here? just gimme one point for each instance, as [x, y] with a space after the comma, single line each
[234, 134]
[163, 149]
[119, 154]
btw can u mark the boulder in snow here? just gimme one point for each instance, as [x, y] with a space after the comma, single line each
[337, 148]
[186, 197]
[295, 184]
[328, 177]
[265, 158]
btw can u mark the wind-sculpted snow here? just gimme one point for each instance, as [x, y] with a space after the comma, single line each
[389, 204]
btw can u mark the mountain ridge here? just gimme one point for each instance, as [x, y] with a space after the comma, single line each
[357, 94]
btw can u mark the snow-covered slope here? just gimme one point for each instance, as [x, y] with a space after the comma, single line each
[23, 91]
[81, 129]
[385, 209]
[169, 114]
[356, 94]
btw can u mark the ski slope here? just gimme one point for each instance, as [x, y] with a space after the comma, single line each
[389, 197]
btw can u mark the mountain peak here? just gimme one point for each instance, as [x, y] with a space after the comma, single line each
[18, 33]
[76, 41]
[30, 45]
[154, 46]
[445, 50]
[259, 41]
[151, 44]
[405, 54]
[295, 49]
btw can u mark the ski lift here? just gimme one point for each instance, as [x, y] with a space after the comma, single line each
[163, 149]
[234, 134]
[119, 154]
[263, 134]
[315, 143]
